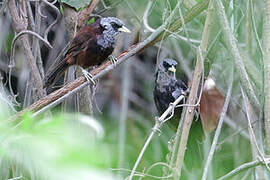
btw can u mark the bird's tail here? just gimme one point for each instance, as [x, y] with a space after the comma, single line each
[55, 72]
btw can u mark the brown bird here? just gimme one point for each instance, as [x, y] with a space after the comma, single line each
[91, 46]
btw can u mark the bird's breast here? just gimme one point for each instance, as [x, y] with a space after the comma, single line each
[93, 55]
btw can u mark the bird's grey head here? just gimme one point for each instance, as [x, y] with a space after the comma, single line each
[166, 71]
[112, 27]
[168, 66]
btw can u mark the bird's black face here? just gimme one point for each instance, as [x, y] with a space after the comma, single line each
[168, 66]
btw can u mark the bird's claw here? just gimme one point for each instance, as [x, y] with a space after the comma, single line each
[112, 59]
[88, 76]
[173, 105]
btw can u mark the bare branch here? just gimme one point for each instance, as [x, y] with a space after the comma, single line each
[4, 5]
[158, 123]
[55, 21]
[20, 24]
[266, 57]
[232, 45]
[145, 17]
[27, 32]
[86, 12]
[198, 73]
[244, 167]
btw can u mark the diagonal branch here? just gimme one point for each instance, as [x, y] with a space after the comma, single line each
[231, 42]
[198, 73]
[59, 95]
[86, 12]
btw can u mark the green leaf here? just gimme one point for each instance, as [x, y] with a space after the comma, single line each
[77, 4]
[61, 10]
[27, 122]
[91, 21]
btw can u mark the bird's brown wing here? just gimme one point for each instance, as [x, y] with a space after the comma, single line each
[77, 46]
[79, 43]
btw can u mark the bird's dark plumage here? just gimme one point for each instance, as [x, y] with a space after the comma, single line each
[92, 44]
[168, 89]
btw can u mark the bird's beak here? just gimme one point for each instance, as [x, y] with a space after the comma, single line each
[124, 29]
[172, 69]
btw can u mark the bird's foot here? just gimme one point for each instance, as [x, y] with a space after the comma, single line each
[173, 105]
[88, 76]
[113, 59]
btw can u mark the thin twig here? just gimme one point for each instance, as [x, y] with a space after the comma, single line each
[194, 11]
[244, 167]
[198, 73]
[254, 27]
[30, 15]
[26, 32]
[232, 45]
[20, 24]
[4, 5]
[140, 174]
[158, 123]
[220, 123]
[253, 140]
[150, 29]
[145, 16]
[55, 21]
[159, 164]
[266, 59]
[86, 12]
[124, 109]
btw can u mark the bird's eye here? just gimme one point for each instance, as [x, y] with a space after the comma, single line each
[166, 65]
[115, 25]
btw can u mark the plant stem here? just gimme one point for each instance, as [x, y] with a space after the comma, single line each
[218, 130]
[232, 45]
[193, 95]
[266, 57]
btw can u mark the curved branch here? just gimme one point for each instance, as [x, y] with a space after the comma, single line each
[55, 21]
[20, 26]
[244, 167]
[145, 17]
[27, 32]
[40, 13]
